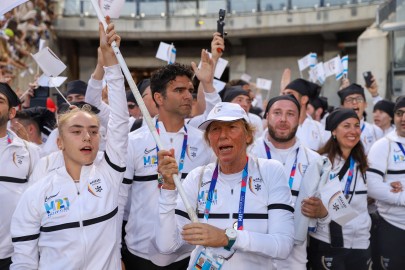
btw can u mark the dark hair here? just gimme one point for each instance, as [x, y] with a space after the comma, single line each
[332, 149]
[25, 119]
[161, 77]
[237, 82]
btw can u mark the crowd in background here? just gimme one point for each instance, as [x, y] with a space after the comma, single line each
[127, 182]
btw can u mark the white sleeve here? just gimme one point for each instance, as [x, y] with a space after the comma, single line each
[376, 99]
[25, 231]
[279, 239]
[93, 97]
[168, 237]
[117, 132]
[377, 188]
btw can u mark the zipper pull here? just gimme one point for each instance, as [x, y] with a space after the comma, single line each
[232, 191]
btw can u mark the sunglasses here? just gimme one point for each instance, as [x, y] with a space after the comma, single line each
[131, 106]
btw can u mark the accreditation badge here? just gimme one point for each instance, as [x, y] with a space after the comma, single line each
[206, 262]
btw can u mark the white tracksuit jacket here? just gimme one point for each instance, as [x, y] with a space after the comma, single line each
[298, 257]
[387, 165]
[268, 222]
[17, 159]
[141, 181]
[73, 227]
[356, 233]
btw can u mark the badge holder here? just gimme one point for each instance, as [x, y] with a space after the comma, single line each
[206, 261]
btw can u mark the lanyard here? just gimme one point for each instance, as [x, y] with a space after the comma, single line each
[402, 148]
[241, 208]
[294, 166]
[182, 155]
[349, 177]
[362, 127]
[9, 140]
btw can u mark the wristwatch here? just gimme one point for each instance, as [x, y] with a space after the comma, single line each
[231, 234]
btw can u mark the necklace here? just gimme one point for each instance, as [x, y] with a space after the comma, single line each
[77, 185]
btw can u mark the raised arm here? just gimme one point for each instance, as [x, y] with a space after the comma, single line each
[95, 88]
[117, 132]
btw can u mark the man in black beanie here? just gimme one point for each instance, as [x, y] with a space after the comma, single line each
[317, 108]
[352, 97]
[17, 159]
[386, 185]
[236, 94]
[311, 133]
[383, 114]
[76, 90]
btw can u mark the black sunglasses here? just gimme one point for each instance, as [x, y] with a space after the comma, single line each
[131, 106]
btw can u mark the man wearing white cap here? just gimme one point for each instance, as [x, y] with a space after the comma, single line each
[243, 203]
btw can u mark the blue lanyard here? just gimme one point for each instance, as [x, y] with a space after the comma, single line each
[9, 139]
[182, 155]
[401, 147]
[267, 150]
[241, 208]
[293, 169]
[362, 127]
[349, 177]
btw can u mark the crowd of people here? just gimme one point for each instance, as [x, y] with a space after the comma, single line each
[289, 185]
[21, 31]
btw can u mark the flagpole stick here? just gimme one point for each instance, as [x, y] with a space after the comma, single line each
[60, 93]
[146, 116]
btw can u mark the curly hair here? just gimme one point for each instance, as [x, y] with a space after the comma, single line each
[161, 77]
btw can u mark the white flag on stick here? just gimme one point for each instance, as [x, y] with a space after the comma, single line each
[263, 84]
[219, 67]
[7, 5]
[166, 52]
[111, 8]
[246, 77]
[307, 61]
[317, 73]
[50, 64]
[345, 64]
[334, 67]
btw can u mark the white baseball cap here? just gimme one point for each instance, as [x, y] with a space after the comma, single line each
[225, 112]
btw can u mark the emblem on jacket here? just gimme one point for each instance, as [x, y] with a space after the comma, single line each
[17, 159]
[192, 152]
[57, 206]
[95, 187]
[255, 185]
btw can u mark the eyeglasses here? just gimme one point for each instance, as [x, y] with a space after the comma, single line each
[131, 106]
[399, 113]
[352, 100]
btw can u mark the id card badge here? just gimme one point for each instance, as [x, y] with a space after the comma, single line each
[206, 262]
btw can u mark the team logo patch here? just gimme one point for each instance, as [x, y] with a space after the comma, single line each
[398, 158]
[95, 187]
[302, 168]
[327, 262]
[150, 161]
[255, 185]
[204, 196]
[17, 159]
[56, 206]
[192, 152]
